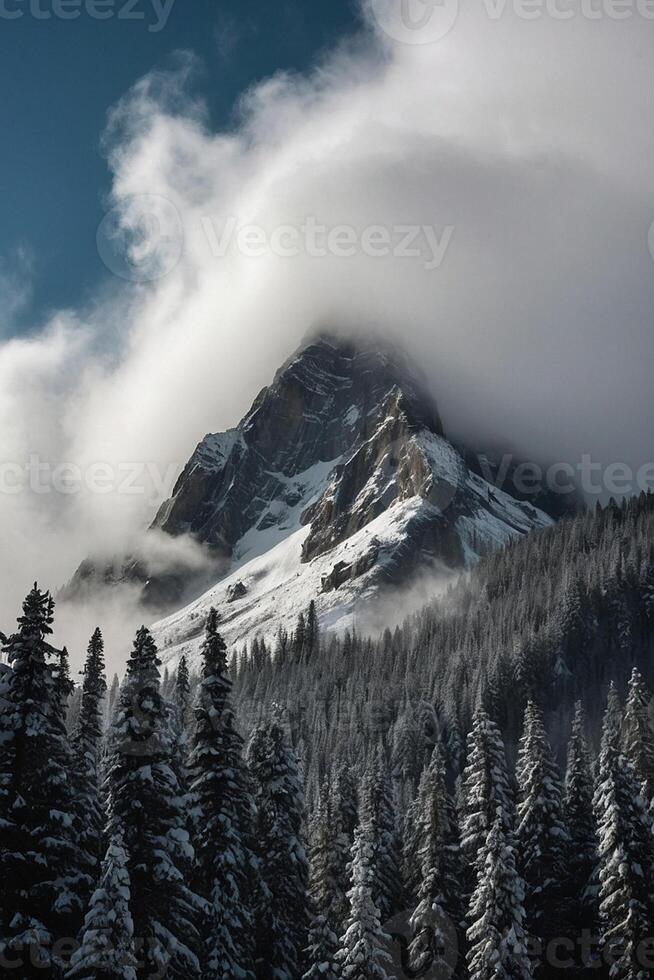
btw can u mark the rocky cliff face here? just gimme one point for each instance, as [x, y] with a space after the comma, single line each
[324, 401]
[338, 483]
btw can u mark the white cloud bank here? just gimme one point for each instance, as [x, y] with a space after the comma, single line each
[530, 140]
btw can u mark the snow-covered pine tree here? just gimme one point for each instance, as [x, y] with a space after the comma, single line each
[182, 694]
[438, 915]
[411, 838]
[498, 944]
[344, 814]
[41, 864]
[312, 632]
[625, 854]
[146, 806]
[637, 734]
[63, 684]
[106, 950]
[581, 845]
[223, 818]
[322, 862]
[282, 905]
[540, 834]
[363, 954]
[485, 790]
[321, 955]
[86, 743]
[378, 817]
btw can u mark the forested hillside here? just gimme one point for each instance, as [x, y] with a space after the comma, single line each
[468, 797]
[555, 617]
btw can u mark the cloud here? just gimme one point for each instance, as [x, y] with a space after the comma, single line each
[530, 140]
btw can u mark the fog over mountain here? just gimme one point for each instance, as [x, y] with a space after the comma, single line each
[509, 157]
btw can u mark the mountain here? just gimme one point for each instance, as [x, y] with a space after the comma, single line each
[339, 485]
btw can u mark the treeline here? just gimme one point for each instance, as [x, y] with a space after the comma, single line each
[434, 803]
[163, 848]
[553, 617]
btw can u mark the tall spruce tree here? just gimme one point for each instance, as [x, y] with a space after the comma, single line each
[363, 954]
[106, 949]
[224, 816]
[438, 915]
[323, 888]
[485, 790]
[581, 844]
[321, 955]
[42, 868]
[282, 915]
[379, 819]
[87, 743]
[540, 833]
[146, 807]
[625, 854]
[497, 939]
[182, 694]
[344, 816]
[637, 734]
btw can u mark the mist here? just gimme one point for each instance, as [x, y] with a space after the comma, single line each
[515, 154]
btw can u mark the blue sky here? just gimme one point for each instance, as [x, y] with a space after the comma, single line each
[60, 78]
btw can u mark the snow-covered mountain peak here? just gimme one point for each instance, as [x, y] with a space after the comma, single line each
[337, 484]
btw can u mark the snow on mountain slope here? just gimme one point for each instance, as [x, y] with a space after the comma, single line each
[269, 583]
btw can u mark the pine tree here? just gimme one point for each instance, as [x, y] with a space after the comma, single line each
[224, 814]
[182, 695]
[638, 736]
[436, 919]
[485, 790]
[322, 952]
[146, 806]
[322, 859]
[362, 954]
[312, 632]
[87, 739]
[106, 950]
[41, 864]
[581, 844]
[540, 834]
[625, 853]
[282, 912]
[496, 934]
[344, 815]
[379, 818]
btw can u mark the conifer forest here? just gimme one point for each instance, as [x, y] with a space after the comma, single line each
[469, 795]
